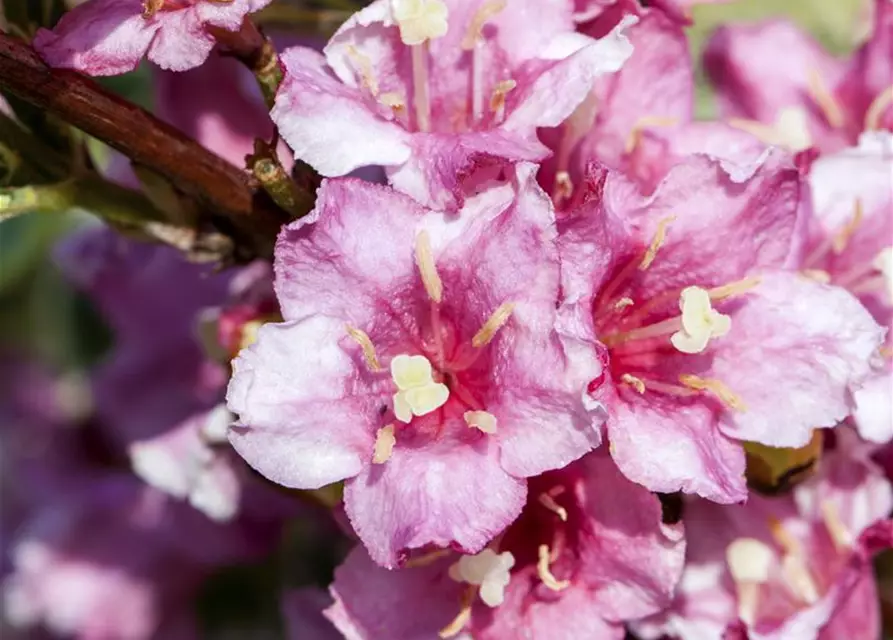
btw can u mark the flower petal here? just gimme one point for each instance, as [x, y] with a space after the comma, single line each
[302, 422]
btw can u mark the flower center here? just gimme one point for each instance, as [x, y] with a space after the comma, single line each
[753, 563]
[871, 275]
[425, 382]
[419, 22]
[639, 336]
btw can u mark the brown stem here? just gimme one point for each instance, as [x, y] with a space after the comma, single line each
[257, 52]
[224, 190]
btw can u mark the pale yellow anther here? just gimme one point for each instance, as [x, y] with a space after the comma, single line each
[635, 134]
[549, 503]
[151, 7]
[394, 101]
[364, 69]
[634, 382]
[623, 303]
[736, 288]
[659, 237]
[489, 571]
[418, 393]
[424, 258]
[500, 91]
[885, 351]
[700, 321]
[545, 572]
[750, 562]
[818, 275]
[420, 20]
[717, 388]
[877, 108]
[793, 564]
[384, 444]
[493, 324]
[840, 535]
[824, 99]
[481, 420]
[842, 238]
[481, 16]
[883, 262]
[362, 339]
[564, 186]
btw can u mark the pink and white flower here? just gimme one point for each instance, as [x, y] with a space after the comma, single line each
[803, 97]
[792, 568]
[430, 89]
[108, 37]
[710, 337]
[588, 552]
[851, 246]
[422, 360]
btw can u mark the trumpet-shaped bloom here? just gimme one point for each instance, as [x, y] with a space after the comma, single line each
[433, 90]
[805, 97]
[588, 552]
[796, 567]
[851, 245]
[422, 360]
[108, 37]
[710, 339]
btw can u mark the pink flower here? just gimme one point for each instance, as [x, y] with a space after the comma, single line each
[776, 81]
[588, 553]
[639, 119]
[791, 568]
[108, 37]
[422, 360]
[851, 245]
[709, 339]
[430, 96]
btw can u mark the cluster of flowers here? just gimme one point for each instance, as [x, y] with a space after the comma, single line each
[546, 353]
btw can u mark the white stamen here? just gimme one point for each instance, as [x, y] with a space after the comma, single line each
[421, 95]
[545, 573]
[497, 100]
[659, 236]
[700, 322]
[420, 20]
[481, 16]
[825, 100]
[797, 576]
[424, 258]
[362, 339]
[549, 503]
[843, 539]
[717, 388]
[493, 324]
[384, 444]
[482, 420]
[488, 570]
